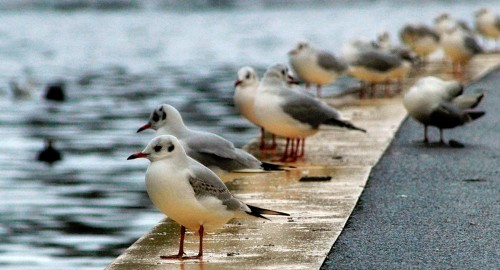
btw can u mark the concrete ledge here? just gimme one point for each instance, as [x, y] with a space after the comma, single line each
[319, 210]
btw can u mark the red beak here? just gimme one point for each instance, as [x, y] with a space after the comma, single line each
[137, 155]
[292, 80]
[237, 82]
[146, 126]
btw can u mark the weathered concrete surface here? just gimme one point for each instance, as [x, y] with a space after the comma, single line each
[431, 207]
[319, 210]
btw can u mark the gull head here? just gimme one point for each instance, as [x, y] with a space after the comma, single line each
[483, 11]
[302, 46]
[277, 74]
[442, 17]
[247, 76]
[161, 147]
[164, 115]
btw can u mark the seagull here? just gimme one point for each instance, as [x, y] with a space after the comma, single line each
[444, 22]
[244, 97]
[207, 148]
[190, 193]
[488, 23]
[375, 66]
[434, 102]
[315, 66]
[49, 154]
[292, 114]
[459, 46]
[421, 39]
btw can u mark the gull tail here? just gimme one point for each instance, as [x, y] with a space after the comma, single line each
[473, 115]
[274, 167]
[342, 123]
[259, 212]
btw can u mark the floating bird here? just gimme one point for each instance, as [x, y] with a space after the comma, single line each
[190, 193]
[292, 114]
[21, 90]
[459, 46]
[434, 102]
[55, 91]
[207, 148]
[421, 39]
[488, 23]
[315, 66]
[49, 154]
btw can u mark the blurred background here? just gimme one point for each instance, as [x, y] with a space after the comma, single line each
[116, 60]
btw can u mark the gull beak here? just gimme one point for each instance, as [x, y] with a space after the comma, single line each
[237, 82]
[146, 126]
[137, 155]
[292, 80]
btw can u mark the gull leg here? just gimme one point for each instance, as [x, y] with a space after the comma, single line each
[273, 145]
[362, 89]
[181, 247]
[318, 91]
[285, 153]
[262, 139]
[302, 146]
[441, 141]
[426, 140]
[201, 231]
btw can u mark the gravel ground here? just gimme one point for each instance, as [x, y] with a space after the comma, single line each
[431, 207]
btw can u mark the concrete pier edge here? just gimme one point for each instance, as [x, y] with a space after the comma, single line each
[319, 210]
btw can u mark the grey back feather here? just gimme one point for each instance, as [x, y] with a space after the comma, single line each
[205, 183]
[307, 109]
[328, 61]
[376, 60]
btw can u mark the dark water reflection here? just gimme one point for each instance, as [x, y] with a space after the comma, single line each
[83, 211]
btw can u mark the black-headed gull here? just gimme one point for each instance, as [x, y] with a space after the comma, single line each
[487, 23]
[434, 102]
[459, 47]
[421, 39]
[208, 148]
[315, 66]
[291, 113]
[244, 97]
[190, 193]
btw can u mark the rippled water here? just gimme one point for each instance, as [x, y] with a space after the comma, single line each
[118, 65]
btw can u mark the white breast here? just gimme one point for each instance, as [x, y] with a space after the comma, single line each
[170, 191]
[274, 119]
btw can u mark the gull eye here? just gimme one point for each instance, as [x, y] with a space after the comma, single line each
[248, 76]
[171, 148]
[157, 148]
[283, 72]
[301, 46]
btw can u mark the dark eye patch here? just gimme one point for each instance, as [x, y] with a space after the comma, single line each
[248, 76]
[164, 115]
[171, 148]
[155, 117]
[157, 148]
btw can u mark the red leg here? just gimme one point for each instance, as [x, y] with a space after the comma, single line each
[181, 247]
[303, 145]
[285, 153]
[201, 231]
[262, 139]
[274, 145]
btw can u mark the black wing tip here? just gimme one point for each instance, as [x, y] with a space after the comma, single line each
[475, 114]
[275, 167]
[259, 212]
